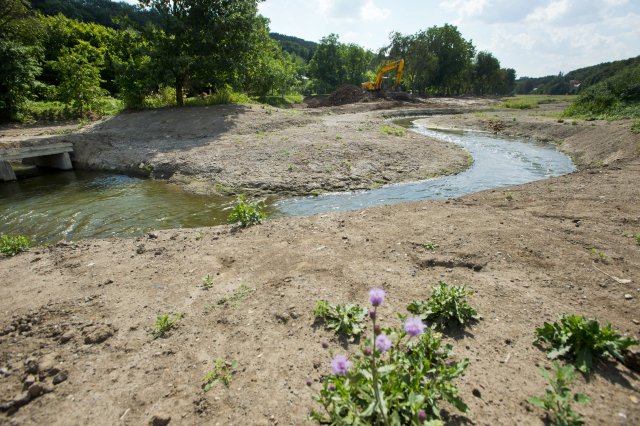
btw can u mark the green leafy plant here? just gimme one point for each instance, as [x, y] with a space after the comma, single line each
[164, 323]
[246, 213]
[446, 306]
[430, 246]
[10, 246]
[207, 282]
[399, 377]
[637, 237]
[347, 319]
[508, 195]
[557, 400]
[222, 372]
[635, 127]
[583, 340]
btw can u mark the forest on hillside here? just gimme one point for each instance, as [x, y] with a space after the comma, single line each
[72, 57]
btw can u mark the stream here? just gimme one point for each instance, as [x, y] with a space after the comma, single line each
[78, 204]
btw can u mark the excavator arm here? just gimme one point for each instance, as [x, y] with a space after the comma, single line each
[390, 66]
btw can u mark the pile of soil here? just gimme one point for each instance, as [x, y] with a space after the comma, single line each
[349, 94]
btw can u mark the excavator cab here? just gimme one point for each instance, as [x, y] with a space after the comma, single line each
[376, 85]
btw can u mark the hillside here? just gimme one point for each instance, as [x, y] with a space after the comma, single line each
[295, 45]
[561, 84]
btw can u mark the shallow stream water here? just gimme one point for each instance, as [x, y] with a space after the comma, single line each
[77, 204]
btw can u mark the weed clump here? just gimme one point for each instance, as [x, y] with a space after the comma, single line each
[246, 213]
[447, 306]
[164, 323]
[346, 319]
[10, 246]
[583, 340]
[392, 130]
[222, 372]
[557, 400]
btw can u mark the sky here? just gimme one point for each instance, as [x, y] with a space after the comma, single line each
[535, 37]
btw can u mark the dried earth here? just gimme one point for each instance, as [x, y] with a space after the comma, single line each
[80, 314]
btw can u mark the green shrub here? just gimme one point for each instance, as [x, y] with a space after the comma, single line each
[635, 127]
[583, 340]
[399, 377]
[10, 246]
[446, 306]
[557, 400]
[164, 97]
[246, 213]
[347, 319]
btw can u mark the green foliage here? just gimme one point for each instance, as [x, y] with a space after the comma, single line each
[18, 71]
[225, 95]
[615, 97]
[207, 282]
[415, 375]
[557, 400]
[599, 255]
[635, 127]
[583, 340]
[222, 372]
[392, 130]
[239, 295]
[164, 97]
[79, 72]
[508, 195]
[520, 102]
[637, 237]
[430, 246]
[347, 319]
[164, 323]
[246, 213]
[446, 306]
[10, 246]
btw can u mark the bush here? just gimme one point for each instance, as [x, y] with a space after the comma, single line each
[10, 246]
[347, 319]
[246, 213]
[164, 97]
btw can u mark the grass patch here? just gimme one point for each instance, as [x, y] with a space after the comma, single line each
[520, 103]
[238, 296]
[392, 130]
[283, 101]
[164, 323]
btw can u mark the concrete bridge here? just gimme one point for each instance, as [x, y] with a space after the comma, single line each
[44, 154]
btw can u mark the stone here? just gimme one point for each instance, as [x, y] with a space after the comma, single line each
[66, 337]
[47, 365]
[39, 388]
[28, 381]
[60, 377]
[31, 366]
[160, 420]
[97, 334]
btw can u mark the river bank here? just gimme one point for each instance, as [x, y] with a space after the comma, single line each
[87, 308]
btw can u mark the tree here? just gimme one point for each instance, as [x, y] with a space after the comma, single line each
[454, 55]
[10, 11]
[326, 65]
[79, 72]
[205, 40]
[18, 71]
[486, 74]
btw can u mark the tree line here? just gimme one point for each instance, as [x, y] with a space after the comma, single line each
[83, 53]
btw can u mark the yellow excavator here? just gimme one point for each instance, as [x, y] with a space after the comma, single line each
[376, 85]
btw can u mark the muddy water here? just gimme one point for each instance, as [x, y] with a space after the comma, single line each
[75, 204]
[498, 162]
[79, 204]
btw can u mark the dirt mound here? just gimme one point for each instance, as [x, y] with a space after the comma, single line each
[348, 94]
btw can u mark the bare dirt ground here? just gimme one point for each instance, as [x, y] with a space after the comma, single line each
[87, 308]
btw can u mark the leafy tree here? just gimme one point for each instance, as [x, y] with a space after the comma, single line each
[454, 55]
[202, 40]
[18, 71]
[486, 74]
[79, 71]
[10, 11]
[326, 66]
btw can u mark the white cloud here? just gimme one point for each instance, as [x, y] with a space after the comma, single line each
[370, 12]
[550, 12]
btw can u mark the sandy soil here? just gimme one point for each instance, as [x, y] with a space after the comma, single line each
[87, 308]
[234, 149]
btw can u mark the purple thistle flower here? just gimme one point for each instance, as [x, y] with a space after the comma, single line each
[383, 343]
[376, 296]
[422, 415]
[372, 313]
[368, 351]
[340, 365]
[414, 326]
